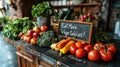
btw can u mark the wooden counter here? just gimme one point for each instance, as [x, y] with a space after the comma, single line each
[34, 56]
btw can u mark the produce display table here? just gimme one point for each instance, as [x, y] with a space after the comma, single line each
[52, 57]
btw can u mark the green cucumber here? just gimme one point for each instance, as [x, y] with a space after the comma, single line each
[62, 14]
[68, 15]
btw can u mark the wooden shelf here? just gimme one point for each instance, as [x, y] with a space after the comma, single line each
[91, 4]
[64, 6]
[81, 5]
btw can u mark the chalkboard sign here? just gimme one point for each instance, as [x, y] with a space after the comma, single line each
[75, 29]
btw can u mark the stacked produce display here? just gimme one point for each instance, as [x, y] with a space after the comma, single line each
[82, 49]
[29, 32]
[32, 34]
[70, 14]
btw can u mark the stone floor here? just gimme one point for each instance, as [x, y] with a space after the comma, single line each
[8, 56]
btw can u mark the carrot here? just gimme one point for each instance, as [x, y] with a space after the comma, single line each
[62, 43]
[66, 48]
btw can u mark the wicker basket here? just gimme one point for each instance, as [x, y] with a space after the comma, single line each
[55, 26]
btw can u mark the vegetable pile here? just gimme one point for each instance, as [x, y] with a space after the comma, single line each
[65, 15]
[87, 17]
[82, 49]
[63, 45]
[32, 35]
[13, 28]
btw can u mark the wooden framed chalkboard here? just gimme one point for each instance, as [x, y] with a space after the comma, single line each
[74, 29]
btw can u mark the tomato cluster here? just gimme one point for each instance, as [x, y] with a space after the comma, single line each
[94, 52]
[105, 52]
[80, 49]
[30, 37]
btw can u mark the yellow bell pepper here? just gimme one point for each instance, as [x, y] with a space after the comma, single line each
[66, 48]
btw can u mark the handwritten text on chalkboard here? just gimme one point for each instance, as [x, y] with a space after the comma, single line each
[75, 30]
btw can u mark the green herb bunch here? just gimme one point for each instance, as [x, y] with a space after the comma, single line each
[13, 28]
[42, 9]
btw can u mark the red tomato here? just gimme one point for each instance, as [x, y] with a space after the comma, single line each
[80, 53]
[44, 28]
[84, 43]
[112, 48]
[73, 49]
[20, 34]
[78, 44]
[33, 41]
[106, 55]
[30, 32]
[94, 55]
[88, 48]
[35, 35]
[22, 37]
[28, 38]
[99, 46]
[36, 29]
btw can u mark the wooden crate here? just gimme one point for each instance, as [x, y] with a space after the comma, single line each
[8, 40]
